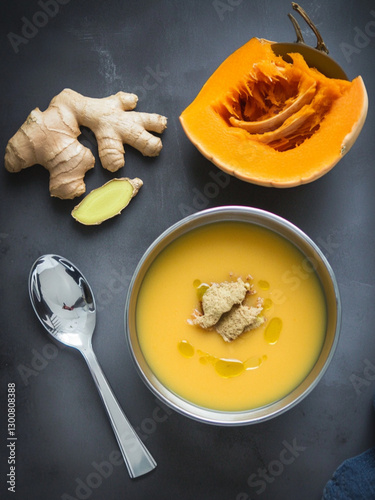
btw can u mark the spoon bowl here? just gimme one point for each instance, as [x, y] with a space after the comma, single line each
[64, 303]
[62, 300]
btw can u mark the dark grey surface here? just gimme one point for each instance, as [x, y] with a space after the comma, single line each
[63, 433]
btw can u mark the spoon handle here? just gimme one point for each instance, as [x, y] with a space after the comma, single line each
[138, 459]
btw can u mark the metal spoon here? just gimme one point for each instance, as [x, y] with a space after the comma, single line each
[63, 301]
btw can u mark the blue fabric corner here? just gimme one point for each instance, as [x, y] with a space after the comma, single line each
[354, 479]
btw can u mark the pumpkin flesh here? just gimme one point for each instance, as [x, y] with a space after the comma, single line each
[272, 122]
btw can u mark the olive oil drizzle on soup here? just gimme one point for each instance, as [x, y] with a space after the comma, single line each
[262, 365]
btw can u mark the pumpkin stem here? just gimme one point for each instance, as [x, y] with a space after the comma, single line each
[297, 29]
[320, 43]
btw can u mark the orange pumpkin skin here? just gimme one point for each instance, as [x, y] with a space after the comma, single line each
[234, 150]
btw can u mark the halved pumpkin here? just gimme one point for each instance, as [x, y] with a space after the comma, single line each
[272, 122]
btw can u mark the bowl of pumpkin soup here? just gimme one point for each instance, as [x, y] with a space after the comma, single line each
[232, 316]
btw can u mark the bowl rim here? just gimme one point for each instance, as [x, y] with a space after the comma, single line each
[282, 227]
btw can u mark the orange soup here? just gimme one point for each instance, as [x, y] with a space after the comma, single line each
[262, 365]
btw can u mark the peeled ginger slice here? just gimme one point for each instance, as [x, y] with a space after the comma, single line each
[106, 201]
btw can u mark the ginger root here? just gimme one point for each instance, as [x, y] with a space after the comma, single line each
[49, 138]
[218, 299]
[106, 201]
[238, 320]
[225, 312]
